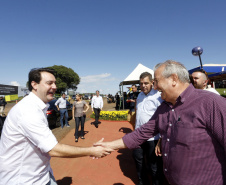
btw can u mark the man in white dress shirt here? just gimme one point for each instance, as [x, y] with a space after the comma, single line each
[61, 105]
[200, 79]
[147, 102]
[97, 105]
[27, 143]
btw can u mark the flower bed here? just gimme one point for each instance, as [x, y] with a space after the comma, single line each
[112, 115]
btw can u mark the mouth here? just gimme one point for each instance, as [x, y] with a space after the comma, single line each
[51, 93]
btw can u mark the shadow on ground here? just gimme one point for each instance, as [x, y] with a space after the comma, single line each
[125, 130]
[65, 181]
[125, 162]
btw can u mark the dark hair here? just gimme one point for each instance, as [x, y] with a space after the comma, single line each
[202, 71]
[134, 85]
[35, 75]
[191, 79]
[146, 74]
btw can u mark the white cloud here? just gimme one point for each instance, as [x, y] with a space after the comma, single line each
[95, 78]
[15, 83]
[105, 83]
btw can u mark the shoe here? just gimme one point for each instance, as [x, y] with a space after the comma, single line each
[68, 126]
[82, 137]
[76, 140]
[96, 126]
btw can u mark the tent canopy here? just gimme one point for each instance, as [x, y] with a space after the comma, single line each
[134, 76]
[210, 68]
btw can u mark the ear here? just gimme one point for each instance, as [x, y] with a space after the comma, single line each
[152, 82]
[34, 85]
[205, 82]
[174, 79]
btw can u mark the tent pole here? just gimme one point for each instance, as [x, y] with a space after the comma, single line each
[119, 97]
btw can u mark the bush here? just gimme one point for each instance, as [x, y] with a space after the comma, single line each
[112, 115]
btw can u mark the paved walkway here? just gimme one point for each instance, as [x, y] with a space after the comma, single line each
[115, 169]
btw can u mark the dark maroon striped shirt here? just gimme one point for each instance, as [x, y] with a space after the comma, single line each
[193, 138]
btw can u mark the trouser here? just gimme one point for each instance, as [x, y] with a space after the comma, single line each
[52, 180]
[79, 120]
[2, 110]
[63, 113]
[97, 114]
[148, 163]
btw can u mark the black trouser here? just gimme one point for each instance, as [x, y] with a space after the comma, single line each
[77, 123]
[148, 163]
[97, 114]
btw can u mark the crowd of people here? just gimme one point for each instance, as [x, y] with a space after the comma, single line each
[189, 120]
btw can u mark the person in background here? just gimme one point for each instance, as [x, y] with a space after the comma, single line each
[192, 126]
[80, 107]
[200, 80]
[97, 105]
[27, 144]
[146, 161]
[61, 105]
[117, 101]
[69, 99]
[2, 105]
[132, 103]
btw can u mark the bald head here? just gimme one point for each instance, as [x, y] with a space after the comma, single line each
[200, 80]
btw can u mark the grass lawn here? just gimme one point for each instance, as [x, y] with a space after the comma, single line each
[222, 91]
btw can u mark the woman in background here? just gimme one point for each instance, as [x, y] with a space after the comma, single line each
[80, 107]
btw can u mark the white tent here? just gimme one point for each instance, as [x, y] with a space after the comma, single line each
[134, 77]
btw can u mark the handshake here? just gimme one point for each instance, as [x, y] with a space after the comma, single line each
[102, 149]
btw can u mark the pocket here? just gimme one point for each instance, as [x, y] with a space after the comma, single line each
[183, 133]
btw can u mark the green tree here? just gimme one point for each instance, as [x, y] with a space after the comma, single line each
[66, 78]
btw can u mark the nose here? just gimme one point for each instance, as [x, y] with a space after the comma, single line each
[54, 86]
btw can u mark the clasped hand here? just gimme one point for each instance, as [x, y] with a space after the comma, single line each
[101, 149]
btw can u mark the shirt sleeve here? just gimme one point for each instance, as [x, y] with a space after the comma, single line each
[102, 103]
[57, 102]
[35, 128]
[216, 122]
[141, 134]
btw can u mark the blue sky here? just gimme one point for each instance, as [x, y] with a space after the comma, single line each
[104, 40]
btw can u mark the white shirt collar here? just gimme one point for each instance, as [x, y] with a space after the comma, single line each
[40, 103]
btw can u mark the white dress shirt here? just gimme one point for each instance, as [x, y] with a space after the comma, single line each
[146, 107]
[25, 142]
[62, 103]
[97, 102]
[210, 89]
